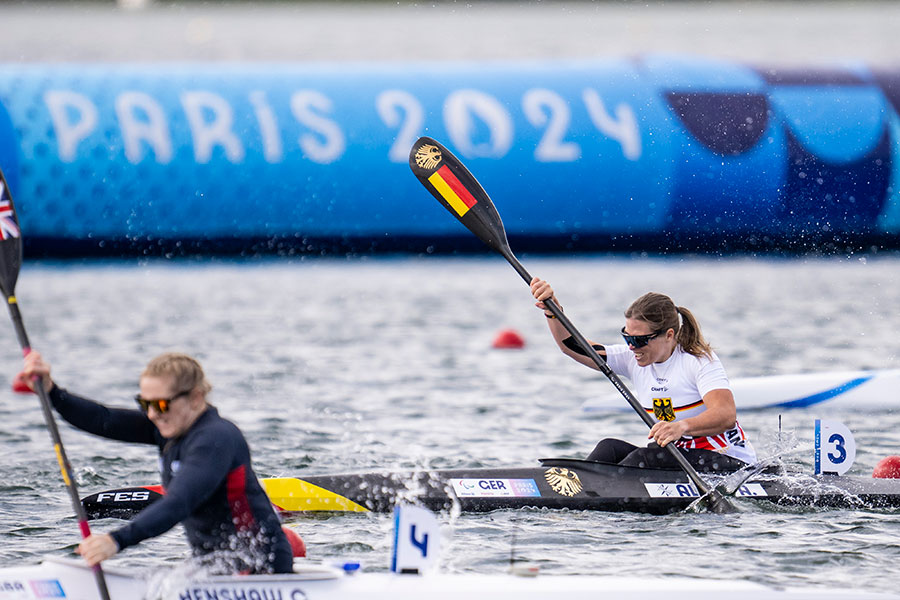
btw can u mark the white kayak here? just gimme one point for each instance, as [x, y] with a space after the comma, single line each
[72, 580]
[850, 390]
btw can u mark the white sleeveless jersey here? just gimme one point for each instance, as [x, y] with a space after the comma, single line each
[674, 390]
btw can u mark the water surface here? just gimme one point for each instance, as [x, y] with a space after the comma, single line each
[337, 365]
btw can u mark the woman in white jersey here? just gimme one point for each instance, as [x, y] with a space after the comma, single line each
[676, 377]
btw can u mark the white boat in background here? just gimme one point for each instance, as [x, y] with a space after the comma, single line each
[843, 390]
[72, 580]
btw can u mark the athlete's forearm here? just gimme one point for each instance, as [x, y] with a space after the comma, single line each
[719, 416]
[113, 423]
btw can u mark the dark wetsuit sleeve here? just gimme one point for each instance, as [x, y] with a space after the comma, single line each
[204, 465]
[114, 423]
[572, 345]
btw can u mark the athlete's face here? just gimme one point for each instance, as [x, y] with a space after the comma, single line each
[183, 409]
[658, 349]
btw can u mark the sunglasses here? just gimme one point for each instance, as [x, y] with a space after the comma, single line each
[639, 341]
[160, 404]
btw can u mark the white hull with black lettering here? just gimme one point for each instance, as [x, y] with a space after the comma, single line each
[70, 579]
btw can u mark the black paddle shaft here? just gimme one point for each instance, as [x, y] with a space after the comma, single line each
[10, 262]
[459, 192]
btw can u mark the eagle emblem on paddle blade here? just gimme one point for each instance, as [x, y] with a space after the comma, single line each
[563, 481]
[428, 157]
[662, 409]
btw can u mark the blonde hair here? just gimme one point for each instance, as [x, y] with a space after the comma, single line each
[660, 312]
[186, 372]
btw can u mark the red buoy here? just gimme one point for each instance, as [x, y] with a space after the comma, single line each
[887, 468]
[298, 548]
[509, 338]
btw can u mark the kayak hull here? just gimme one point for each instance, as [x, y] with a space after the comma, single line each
[557, 484]
[71, 579]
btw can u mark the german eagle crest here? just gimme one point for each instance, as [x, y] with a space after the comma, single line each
[662, 409]
[563, 481]
[428, 157]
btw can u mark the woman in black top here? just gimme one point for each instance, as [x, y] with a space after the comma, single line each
[209, 484]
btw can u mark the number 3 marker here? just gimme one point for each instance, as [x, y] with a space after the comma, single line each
[835, 449]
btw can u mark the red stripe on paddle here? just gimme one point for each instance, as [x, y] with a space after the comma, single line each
[456, 186]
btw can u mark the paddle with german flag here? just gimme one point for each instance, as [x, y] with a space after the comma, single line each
[10, 263]
[459, 192]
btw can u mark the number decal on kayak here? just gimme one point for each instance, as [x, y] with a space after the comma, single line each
[838, 441]
[420, 544]
[834, 448]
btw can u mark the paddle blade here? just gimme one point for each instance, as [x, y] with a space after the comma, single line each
[458, 191]
[10, 241]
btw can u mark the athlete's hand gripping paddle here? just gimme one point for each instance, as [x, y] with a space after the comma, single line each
[459, 192]
[10, 263]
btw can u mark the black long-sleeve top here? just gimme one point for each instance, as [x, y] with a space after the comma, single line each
[209, 485]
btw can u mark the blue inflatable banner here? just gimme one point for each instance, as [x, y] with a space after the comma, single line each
[663, 153]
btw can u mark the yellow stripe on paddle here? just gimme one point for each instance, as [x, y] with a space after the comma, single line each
[449, 195]
[62, 464]
[295, 495]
